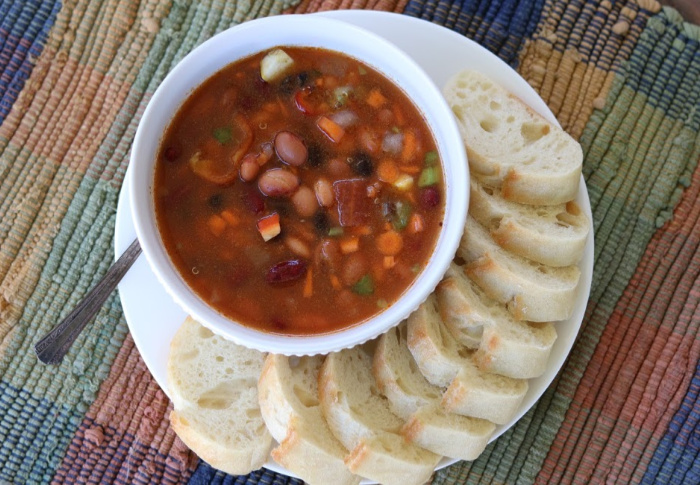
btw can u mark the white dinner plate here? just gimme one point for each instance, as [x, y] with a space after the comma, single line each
[152, 315]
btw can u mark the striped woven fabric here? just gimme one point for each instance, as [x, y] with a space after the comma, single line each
[621, 76]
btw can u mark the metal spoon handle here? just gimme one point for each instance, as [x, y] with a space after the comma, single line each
[55, 345]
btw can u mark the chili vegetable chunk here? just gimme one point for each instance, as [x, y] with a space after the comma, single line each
[299, 191]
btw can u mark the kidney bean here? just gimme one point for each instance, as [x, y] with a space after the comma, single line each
[249, 168]
[286, 271]
[253, 201]
[172, 153]
[290, 148]
[430, 197]
[278, 182]
[304, 201]
[324, 192]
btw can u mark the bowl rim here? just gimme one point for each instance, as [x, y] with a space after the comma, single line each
[448, 140]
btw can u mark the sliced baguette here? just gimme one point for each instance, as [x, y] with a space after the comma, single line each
[388, 459]
[359, 416]
[213, 385]
[438, 356]
[512, 147]
[448, 434]
[288, 393]
[554, 235]
[443, 361]
[417, 401]
[531, 291]
[505, 346]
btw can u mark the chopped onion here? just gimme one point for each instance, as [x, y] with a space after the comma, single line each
[392, 143]
[345, 118]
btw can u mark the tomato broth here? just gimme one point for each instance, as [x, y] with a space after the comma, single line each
[298, 191]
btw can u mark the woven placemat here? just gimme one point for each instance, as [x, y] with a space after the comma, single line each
[623, 77]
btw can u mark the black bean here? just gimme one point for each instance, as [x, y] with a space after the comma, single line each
[216, 201]
[316, 155]
[361, 164]
[321, 223]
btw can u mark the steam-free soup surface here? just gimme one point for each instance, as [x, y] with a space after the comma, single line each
[301, 203]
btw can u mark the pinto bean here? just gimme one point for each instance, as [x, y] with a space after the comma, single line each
[278, 182]
[328, 255]
[324, 192]
[249, 168]
[290, 148]
[355, 268]
[304, 201]
[298, 247]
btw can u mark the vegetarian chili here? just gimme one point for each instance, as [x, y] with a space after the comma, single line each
[299, 191]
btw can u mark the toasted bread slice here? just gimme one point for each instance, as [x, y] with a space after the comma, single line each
[531, 291]
[213, 385]
[446, 363]
[505, 346]
[554, 235]
[288, 394]
[359, 416]
[413, 398]
[510, 146]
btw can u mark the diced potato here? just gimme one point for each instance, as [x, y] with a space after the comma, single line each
[404, 182]
[275, 64]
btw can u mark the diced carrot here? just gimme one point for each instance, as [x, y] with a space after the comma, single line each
[216, 224]
[389, 262]
[412, 169]
[410, 147]
[308, 284]
[389, 243]
[331, 129]
[362, 231]
[319, 82]
[269, 226]
[387, 171]
[349, 245]
[378, 271]
[398, 114]
[415, 224]
[230, 218]
[335, 282]
[376, 99]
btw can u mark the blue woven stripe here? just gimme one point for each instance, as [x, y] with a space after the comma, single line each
[24, 29]
[676, 457]
[206, 475]
[502, 26]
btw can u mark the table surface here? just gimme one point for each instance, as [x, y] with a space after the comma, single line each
[622, 77]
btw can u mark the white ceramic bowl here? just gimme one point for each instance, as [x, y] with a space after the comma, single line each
[312, 31]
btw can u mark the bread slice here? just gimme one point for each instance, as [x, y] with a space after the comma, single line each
[554, 235]
[288, 394]
[311, 455]
[413, 398]
[482, 395]
[213, 385]
[443, 361]
[398, 376]
[388, 459]
[505, 346]
[448, 434]
[510, 146]
[359, 416]
[438, 356]
[531, 291]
